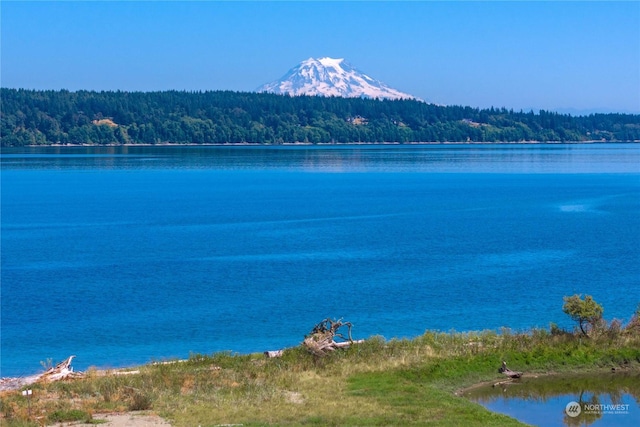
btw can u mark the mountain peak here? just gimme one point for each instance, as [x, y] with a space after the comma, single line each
[331, 77]
[330, 62]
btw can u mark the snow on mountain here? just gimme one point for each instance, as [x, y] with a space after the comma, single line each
[331, 77]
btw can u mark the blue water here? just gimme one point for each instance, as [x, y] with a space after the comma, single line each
[124, 255]
[550, 411]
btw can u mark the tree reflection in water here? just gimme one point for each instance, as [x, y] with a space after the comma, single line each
[543, 400]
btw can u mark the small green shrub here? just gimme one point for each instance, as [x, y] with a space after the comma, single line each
[65, 415]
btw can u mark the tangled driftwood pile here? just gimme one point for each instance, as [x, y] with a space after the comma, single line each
[322, 338]
[61, 371]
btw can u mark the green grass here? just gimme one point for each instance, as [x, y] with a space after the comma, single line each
[377, 383]
[64, 415]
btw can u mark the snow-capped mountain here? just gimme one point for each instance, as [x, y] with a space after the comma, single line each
[331, 77]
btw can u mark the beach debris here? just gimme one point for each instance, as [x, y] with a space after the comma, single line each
[508, 372]
[62, 371]
[322, 339]
[134, 372]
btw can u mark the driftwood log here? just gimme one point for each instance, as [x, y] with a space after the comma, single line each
[508, 372]
[322, 339]
[62, 371]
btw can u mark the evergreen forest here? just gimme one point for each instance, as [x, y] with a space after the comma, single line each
[37, 117]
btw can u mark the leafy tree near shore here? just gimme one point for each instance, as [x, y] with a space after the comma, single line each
[587, 312]
[30, 117]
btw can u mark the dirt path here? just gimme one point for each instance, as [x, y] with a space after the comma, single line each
[128, 419]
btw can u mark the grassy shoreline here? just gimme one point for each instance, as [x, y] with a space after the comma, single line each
[378, 382]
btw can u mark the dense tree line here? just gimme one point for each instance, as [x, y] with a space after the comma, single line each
[30, 117]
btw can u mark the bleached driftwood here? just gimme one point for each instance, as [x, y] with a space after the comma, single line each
[61, 371]
[321, 340]
[346, 344]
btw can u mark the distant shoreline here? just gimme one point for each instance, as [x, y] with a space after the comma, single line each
[230, 118]
[334, 144]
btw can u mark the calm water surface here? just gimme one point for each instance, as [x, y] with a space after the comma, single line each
[123, 255]
[605, 400]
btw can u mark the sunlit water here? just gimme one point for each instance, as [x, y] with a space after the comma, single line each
[123, 255]
[610, 400]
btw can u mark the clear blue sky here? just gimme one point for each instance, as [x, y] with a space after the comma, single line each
[551, 55]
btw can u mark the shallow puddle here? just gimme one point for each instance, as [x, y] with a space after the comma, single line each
[566, 400]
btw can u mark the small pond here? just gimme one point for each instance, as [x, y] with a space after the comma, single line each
[597, 400]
